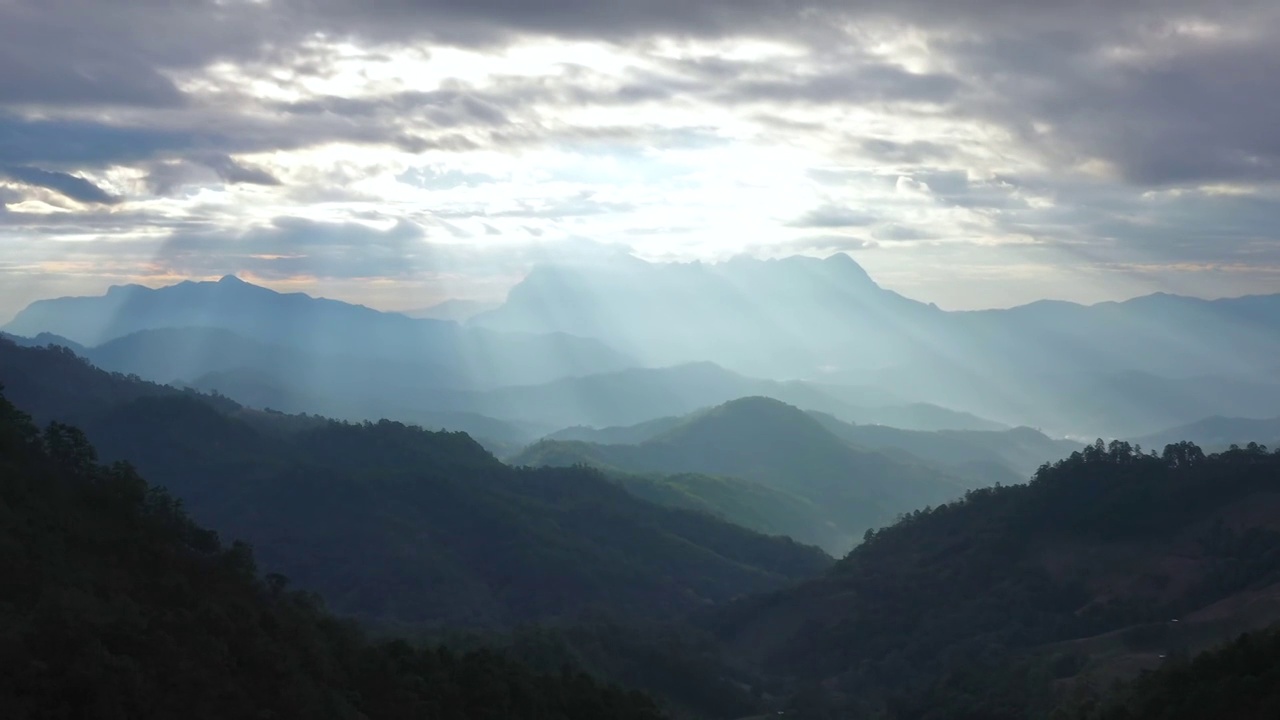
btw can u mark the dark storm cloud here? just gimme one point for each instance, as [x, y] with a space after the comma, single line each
[76, 188]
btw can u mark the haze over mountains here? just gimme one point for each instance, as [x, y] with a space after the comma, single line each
[1007, 603]
[639, 360]
[441, 353]
[372, 515]
[626, 341]
[758, 486]
[1113, 368]
[776, 445]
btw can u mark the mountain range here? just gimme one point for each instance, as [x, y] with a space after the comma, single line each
[1028, 600]
[627, 341]
[419, 352]
[1006, 454]
[1219, 433]
[1112, 369]
[396, 524]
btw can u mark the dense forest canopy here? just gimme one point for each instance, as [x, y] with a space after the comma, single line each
[1083, 550]
[1012, 601]
[116, 605]
[401, 525]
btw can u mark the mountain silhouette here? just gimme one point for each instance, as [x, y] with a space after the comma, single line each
[1073, 369]
[445, 353]
[401, 525]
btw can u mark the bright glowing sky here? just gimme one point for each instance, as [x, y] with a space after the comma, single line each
[972, 153]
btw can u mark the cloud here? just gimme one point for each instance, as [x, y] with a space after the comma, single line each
[833, 216]
[826, 244]
[76, 188]
[79, 142]
[289, 247]
[233, 171]
[8, 196]
[912, 152]
[1126, 132]
[166, 177]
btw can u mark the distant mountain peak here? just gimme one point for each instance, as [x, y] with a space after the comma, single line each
[115, 290]
[753, 416]
[231, 280]
[752, 403]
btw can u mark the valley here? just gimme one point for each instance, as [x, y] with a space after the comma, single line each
[560, 507]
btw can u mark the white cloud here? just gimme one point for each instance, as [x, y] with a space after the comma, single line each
[1130, 145]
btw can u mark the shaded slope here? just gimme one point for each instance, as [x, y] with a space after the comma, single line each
[1240, 680]
[116, 605]
[778, 446]
[1021, 450]
[936, 615]
[398, 524]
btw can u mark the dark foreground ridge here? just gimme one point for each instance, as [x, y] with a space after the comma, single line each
[1020, 601]
[398, 525]
[116, 605]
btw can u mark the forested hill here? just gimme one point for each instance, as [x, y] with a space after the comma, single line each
[972, 608]
[846, 489]
[1240, 681]
[115, 605]
[399, 525]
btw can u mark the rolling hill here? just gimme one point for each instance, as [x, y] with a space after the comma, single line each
[1012, 601]
[1219, 433]
[778, 446]
[396, 524]
[989, 455]
[117, 605]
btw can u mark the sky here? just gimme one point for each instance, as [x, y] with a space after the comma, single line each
[971, 153]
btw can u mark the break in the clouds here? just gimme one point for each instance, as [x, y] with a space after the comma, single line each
[967, 152]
